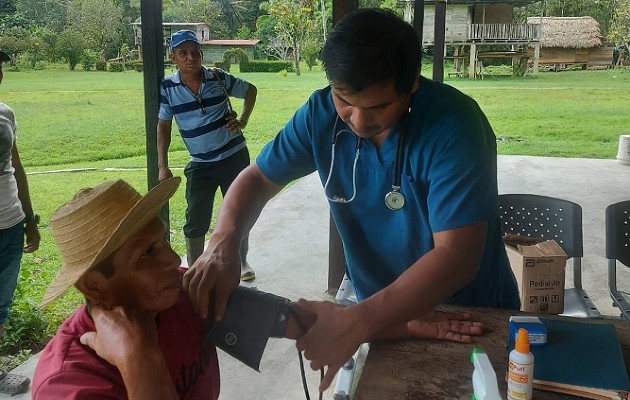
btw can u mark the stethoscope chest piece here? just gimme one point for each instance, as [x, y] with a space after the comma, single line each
[394, 200]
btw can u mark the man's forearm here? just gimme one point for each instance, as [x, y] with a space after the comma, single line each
[163, 143]
[147, 377]
[23, 192]
[248, 103]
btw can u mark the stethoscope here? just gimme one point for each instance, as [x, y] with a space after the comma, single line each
[394, 199]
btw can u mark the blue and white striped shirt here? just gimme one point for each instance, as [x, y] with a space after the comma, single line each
[201, 118]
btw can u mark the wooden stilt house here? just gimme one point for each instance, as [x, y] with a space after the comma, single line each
[568, 41]
[472, 25]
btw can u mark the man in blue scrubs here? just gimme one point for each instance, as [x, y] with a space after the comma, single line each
[416, 235]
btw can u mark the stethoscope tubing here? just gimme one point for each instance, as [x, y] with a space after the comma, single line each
[394, 200]
[335, 198]
[397, 177]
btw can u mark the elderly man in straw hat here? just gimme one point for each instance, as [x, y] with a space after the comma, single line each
[126, 341]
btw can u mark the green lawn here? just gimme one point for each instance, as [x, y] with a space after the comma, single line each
[73, 118]
[77, 119]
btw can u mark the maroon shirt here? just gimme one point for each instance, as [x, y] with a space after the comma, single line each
[68, 369]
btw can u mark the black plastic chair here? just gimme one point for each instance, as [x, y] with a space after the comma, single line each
[552, 219]
[618, 249]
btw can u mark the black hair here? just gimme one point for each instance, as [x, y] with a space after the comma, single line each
[372, 46]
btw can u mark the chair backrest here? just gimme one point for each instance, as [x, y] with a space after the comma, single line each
[618, 232]
[541, 216]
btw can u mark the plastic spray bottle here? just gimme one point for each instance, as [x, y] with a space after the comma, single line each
[520, 369]
[484, 379]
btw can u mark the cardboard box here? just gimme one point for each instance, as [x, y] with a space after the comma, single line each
[539, 270]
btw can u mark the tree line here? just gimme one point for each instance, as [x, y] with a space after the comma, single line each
[41, 31]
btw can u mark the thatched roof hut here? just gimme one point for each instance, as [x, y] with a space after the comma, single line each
[569, 32]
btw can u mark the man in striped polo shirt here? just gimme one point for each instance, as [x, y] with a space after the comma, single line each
[198, 98]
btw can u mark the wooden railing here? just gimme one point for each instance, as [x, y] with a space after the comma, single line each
[138, 38]
[493, 32]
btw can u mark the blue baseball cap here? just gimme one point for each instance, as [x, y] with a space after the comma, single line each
[182, 36]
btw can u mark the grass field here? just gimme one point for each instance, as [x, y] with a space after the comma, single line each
[94, 121]
[75, 117]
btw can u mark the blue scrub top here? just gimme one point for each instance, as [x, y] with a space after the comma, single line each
[449, 180]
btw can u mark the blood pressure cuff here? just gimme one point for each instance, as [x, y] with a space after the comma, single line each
[250, 319]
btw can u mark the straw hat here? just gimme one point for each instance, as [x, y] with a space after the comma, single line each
[96, 222]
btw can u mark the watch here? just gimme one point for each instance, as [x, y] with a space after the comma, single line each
[32, 219]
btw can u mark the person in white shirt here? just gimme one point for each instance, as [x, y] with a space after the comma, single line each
[18, 224]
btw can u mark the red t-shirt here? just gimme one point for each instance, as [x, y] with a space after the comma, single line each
[69, 370]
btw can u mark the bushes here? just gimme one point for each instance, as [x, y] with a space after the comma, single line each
[26, 64]
[89, 59]
[100, 65]
[237, 53]
[247, 65]
[267, 66]
[24, 328]
[116, 67]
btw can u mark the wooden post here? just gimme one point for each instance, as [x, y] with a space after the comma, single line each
[472, 71]
[536, 57]
[343, 7]
[418, 21]
[336, 259]
[439, 40]
[153, 67]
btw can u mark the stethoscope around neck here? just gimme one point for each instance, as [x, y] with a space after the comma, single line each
[394, 199]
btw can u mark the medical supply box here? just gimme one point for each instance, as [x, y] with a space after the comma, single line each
[539, 271]
[536, 331]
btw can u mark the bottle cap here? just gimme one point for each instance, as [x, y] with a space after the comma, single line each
[522, 341]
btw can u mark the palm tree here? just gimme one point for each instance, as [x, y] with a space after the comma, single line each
[231, 11]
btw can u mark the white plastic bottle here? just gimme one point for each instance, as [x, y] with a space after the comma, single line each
[484, 379]
[520, 369]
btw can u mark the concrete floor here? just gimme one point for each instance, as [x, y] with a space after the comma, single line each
[289, 250]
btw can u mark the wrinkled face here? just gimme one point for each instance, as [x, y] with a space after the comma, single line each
[145, 272]
[188, 57]
[373, 111]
